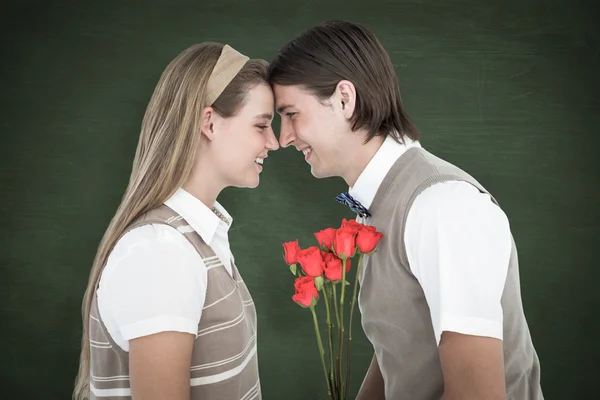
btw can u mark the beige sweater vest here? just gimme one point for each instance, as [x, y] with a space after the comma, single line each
[395, 314]
[224, 361]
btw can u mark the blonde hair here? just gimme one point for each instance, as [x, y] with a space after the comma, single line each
[165, 154]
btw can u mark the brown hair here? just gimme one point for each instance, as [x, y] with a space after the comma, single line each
[165, 154]
[322, 56]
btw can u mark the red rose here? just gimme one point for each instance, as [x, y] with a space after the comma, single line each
[367, 239]
[367, 228]
[325, 237]
[311, 261]
[352, 224]
[345, 241]
[333, 267]
[291, 251]
[305, 291]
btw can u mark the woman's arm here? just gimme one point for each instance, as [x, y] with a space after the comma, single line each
[151, 297]
[159, 366]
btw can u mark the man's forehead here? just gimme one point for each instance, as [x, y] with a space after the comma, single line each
[281, 107]
[288, 96]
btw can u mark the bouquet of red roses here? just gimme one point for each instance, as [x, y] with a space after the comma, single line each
[322, 269]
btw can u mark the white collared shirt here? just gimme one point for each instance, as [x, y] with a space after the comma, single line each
[155, 280]
[458, 245]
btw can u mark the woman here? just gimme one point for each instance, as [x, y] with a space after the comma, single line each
[166, 314]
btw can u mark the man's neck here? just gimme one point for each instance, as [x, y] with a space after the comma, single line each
[360, 158]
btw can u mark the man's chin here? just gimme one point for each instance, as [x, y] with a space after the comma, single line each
[319, 173]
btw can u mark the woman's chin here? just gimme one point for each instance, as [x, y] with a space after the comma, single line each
[253, 183]
[249, 181]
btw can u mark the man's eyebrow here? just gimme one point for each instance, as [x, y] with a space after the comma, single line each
[268, 116]
[282, 108]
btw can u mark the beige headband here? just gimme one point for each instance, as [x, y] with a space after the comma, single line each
[228, 65]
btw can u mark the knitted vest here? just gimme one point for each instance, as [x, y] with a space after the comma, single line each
[395, 314]
[224, 361]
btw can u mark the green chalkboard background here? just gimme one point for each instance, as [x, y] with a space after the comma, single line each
[506, 90]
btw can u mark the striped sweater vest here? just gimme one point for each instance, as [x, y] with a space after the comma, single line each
[395, 315]
[224, 361]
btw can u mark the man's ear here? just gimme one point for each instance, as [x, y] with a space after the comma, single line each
[346, 97]
[208, 123]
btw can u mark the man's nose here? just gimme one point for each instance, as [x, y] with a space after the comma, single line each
[272, 143]
[286, 135]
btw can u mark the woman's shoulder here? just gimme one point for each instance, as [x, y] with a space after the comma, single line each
[154, 281]
[151, 236]
[152, 248]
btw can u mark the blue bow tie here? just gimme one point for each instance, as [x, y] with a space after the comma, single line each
[354, 204]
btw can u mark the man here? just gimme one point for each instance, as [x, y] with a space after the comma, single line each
[440, 299]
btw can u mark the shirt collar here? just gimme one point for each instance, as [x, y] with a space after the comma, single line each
[198, 215]
[370, 179]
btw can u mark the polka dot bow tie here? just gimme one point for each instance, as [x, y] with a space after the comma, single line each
[354, 204]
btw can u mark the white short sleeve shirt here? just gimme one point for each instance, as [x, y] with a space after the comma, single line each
[458, 245]
[155, 280]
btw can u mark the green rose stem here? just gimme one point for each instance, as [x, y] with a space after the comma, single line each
[341, 330]
[330, 338]
[321, 351]
[350, 323]
[335, 307]
[337, 317]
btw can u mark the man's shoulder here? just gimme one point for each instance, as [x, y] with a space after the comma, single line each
[425, 163]
[420, 174]
[423, 169]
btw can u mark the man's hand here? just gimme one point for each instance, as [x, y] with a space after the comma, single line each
[473, 367]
